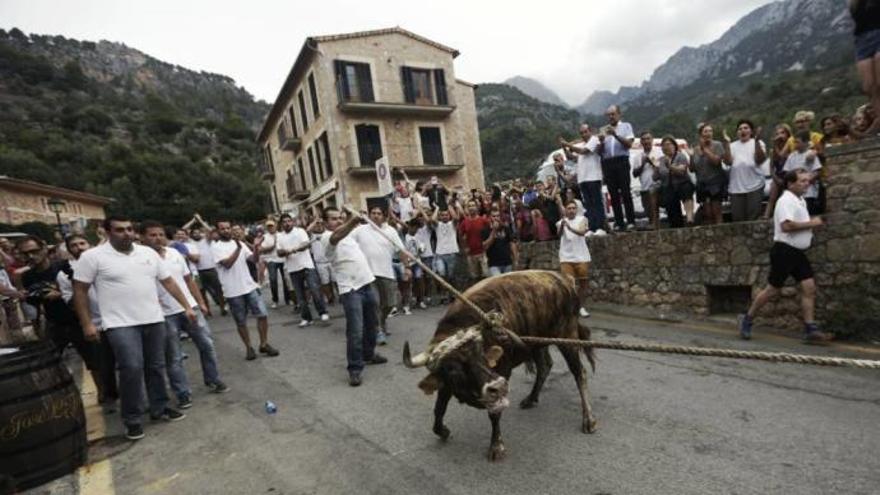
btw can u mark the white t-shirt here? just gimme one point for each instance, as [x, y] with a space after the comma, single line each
[405, 209]
[745, 175]
[124, 283]
[206, 255]
[613, 147]
[235, 280]
[302, 260]
[349, 263]
[66, 287]
[270, 239]
[424, 237]
[177, 267]
[791, 207]
[589, 166]
[573, 247]
[798, 160]
[193, 249]
[447, 241]
[377, 249]
[317, 249]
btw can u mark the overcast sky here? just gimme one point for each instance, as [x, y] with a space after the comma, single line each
[572, 47]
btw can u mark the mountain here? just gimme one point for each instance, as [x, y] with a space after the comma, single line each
[517, 131]
[536, 90]
[162, 140]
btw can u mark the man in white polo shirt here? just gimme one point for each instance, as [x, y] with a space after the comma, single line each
[241, 292]
[574, 256]
[615, 140]
[125, 275]
[153, 235]
[274, 263]
[359, 300]
[293, 246]
[792, 235]
[589, 177]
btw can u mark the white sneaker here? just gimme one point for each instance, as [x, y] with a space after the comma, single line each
[393, 312]
[630, 226]
[600, 233]
[274, 305]
[589, 233]
[423, 305]
[304, 323]
[585, 313]
[406, 310]
[325, 317]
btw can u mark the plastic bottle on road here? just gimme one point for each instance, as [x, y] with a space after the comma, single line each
[271, 408]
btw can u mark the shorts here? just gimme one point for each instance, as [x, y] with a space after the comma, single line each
[63, 335]
[477, 265]
[402, 273]
[711, 192]
[577, 271]
[788, 261]
[867, 45]
[252, 303]
[325, 273]
[417, 271]
[682, 191]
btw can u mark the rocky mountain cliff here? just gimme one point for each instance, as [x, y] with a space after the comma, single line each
[536, 90]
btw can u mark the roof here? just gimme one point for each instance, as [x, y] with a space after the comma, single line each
[308, 49]
[40, 188]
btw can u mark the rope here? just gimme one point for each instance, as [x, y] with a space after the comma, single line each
[776, 357]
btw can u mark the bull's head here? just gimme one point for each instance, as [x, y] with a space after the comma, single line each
[465, 364]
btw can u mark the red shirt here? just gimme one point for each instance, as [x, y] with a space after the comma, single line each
[472, 229]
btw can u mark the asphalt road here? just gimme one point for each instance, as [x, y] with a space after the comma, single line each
[667, 424]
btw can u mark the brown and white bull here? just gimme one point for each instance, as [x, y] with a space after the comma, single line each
[472, 362]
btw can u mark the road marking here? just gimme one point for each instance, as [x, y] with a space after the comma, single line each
[94, 478]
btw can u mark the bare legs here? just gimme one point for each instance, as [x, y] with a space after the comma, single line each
[869, 73]
[808, 299]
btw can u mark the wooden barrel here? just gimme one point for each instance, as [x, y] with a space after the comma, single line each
[42, 423]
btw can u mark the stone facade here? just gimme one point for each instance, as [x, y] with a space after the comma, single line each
[303, 175]
[24, 201]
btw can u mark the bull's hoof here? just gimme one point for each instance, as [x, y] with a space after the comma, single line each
[590, 426]
[442, 432]
[528, 403]
[497, 452]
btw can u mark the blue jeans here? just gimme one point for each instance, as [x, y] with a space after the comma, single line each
[444, 264]
[360, 326]
[200, 333]
[498, 270]
[594, 208]
[140, 356]
[308, 278]
[274, 270]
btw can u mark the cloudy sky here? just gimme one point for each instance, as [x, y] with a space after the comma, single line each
[572, 47]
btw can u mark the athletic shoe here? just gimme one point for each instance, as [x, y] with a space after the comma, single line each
[184, 336]
[134, 432]
[630, 227]
[251, 355]
[218, 387]
[377, 359]
[584, 313]
[169, 415]
[274, 305]
[393, 312]
[744, 322]
[354, 379]
[268, 350]
[406, 311]
[589, 233]
[423, 305]
[380, 338]
[184, 402]
[600, 233]
[325, 317]
[304, 323]
[812, 335]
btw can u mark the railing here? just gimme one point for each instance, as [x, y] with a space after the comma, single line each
[364, 156]
[390, 92]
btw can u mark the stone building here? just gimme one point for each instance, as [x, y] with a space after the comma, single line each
[27, 201]
[353, 98]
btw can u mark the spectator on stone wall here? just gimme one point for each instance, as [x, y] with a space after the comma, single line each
[589, 176]
[644, 172]
[615, 140]
[805, 158]
[778, 156]
[866, 17]
[676, 188]
[746, 186]
[707, 163]
[835, 131]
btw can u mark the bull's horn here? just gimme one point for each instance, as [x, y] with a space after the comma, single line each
[514, 337]
[420, 360]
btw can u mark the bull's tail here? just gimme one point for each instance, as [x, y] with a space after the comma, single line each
[584, 334]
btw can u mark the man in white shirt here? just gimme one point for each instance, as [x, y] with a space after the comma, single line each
[792, 235]
[589, 177]
[379, 252]
[446, 254]
[207, 268]
[242, 293]
[614, 145]
[359, 300]
[125, 275]
[574, 256]
[274, 263]
[153, 235]
[293, 246]
[322, 264]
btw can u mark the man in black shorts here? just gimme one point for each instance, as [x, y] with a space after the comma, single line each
[792, 234]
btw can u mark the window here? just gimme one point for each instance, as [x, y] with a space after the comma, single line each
[424, 86]
[353, 81]
[369, 144]
[292, 120]
[432, 145]
[313, 92]
[324, 145]
[301, 173]
[281, 133]
[312, 168]
[302, 112]
[290, 182]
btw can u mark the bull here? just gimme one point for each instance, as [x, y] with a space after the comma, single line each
[472, 361]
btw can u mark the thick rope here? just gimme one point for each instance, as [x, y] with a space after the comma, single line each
[777, 357]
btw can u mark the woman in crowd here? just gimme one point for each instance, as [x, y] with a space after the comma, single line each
[677, 187]
[835, 130]
[746, 185]
[707, 163]
[778, 155]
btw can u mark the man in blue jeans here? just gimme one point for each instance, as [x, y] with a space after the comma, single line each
[125, 276]
[274, 263]
[359, 299]
[293, 247]
[153, 235]
[589, 177]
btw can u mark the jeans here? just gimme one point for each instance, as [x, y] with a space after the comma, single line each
[200, 333]
[444, 265]
[140, 354]
[211, 285]
[498, 270]
[308, 278]
[616, 173]
[274, 269]
[594, 208]
[174, 359]
[360, 326]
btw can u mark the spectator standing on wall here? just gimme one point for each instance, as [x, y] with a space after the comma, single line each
[678, 188]
[707, 163]
[866, 14]
[803, 157]
[778, 155]
[614, 144]
[589, 177]
[645, 172]
[792, 235]
[746, 185]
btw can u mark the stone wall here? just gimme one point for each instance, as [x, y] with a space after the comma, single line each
[703, 270]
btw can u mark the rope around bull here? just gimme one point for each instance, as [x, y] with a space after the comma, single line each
[494, 321]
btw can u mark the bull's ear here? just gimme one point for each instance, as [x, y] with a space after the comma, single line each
[493, 354]
[429, 384]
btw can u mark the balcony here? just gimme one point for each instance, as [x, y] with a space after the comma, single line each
[290, 143]
[360, 98]
[416, 161]
[264, 167]
[295, 189]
